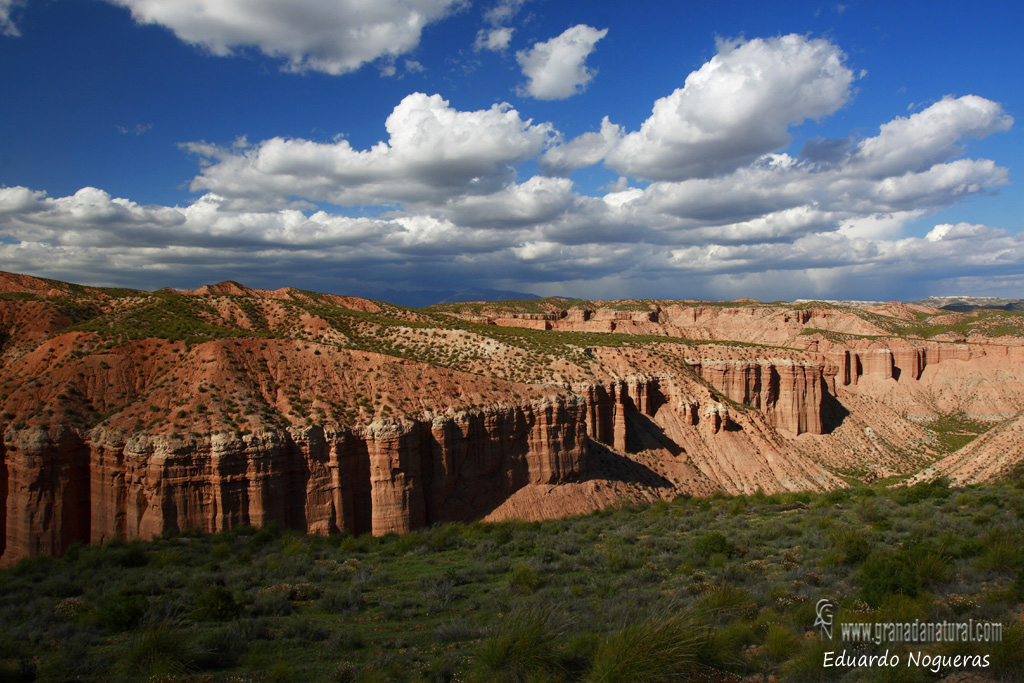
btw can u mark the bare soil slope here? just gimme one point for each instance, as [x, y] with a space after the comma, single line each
[128, 413]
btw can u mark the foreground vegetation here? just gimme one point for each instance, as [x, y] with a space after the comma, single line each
[698, 589]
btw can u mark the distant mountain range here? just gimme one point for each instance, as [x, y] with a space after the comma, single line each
[424, 298]
[965, 304]
[958, 303]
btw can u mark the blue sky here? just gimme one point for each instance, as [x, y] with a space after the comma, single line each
[603, 150]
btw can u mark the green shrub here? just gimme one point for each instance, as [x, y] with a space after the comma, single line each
[441, 591]
[938, 489]
[272, 604]
[280, 671]
[121, 612]
[888, 573]
[267, 533]
[454, 631]
[853, 544]
[72, 662]
[524, 578]
[347, 602]
[23, 669]
[220, 649]
[1000, 555]
[306, 630]
[902, 608]
[1008, 654]
[870, 510]
[616, 557]
[932, 566]
[40, 566]
[780, 643]
[442, 537]
[805, 664]
[714, 543]
[217, 603]
[132, 555]
[728, 641]
[346, 639]
[959, 546]
[724, 597]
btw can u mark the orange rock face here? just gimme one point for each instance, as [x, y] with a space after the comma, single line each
[790, 394]
[387, 477]
[326, 413]
[47, 493]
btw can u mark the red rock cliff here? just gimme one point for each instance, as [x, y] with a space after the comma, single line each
[789, 393]
[390, 476]
[231, 406]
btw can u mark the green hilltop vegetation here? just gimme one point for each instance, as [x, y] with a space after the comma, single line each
[123, 314]
[982, 321]
[444, 336]
[714, 589]
[162, 315]
[120, 316]
[979, 322]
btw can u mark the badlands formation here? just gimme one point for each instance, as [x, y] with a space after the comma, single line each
[129, 413]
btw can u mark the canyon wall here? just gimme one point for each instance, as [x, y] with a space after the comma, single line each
[391, 476]
[796, 394]
[130, 414]
[754, 323]
[904, 360]
[387, 477]
[791, 394]
[61, 485]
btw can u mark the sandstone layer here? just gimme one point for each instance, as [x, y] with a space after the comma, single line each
[132, 414]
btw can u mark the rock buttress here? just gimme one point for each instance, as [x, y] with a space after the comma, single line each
[47, 492]
[387, 477]
[789, 393]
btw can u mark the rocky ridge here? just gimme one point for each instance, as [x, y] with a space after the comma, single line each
[130, 413]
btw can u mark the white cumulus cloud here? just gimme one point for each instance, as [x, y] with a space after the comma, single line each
[724, 214]
[433, 152]
[735, 108]
[503, 11]
[863, 183]
[732, 110]
[583, 150]
[963, 231]
[536, 201]
[556, 68]
[496, 39]
[916, 142]
[332, 36]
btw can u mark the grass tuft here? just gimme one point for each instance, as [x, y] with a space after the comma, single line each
[161, 649]
[662, 648]
[523, 650]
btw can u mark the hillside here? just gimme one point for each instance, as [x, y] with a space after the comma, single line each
[698, 589]
[130, 413]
